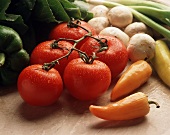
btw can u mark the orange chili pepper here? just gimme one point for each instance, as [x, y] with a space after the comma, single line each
[130, 107]
[136, 75]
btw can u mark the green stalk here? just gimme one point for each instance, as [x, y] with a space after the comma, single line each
[108, 4]
[141, 3]
[157, 27]
[141, 17]
[160, 14]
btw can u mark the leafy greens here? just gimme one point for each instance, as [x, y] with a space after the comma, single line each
[32, 17]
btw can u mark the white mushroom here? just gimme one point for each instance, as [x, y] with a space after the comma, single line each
[137, 27]
[116, 32]
[99, 11]
[141, 47]
[120, 16]
[99, 23]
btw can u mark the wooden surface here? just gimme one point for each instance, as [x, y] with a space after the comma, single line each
[71, 117]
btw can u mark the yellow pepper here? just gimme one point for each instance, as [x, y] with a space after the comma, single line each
[161, 61]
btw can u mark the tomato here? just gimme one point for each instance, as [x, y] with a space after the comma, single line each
[86, 81]
[43, 53]
[116, 56]
[63, 31]
[39, 87]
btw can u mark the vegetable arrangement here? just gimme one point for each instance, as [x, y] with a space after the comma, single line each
[140, 37]
[86, 57]
[24, 24]
[79, 71]
[87, 76]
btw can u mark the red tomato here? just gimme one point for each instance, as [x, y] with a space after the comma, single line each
[63, 31]
[39, 87]
[86, 81]
[116, 56]
[43, 53]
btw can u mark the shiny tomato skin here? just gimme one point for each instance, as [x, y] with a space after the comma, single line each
[116, 56]
[43, 53]
[38, 87]
[63, 31]
[86, 81]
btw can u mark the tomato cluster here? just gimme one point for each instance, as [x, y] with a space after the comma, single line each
[74, 57]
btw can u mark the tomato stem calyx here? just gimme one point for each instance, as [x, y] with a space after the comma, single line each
[103, 44]
[75, 24]
[56, 45]
[87, 59]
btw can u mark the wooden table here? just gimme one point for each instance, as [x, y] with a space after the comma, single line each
[72, 117]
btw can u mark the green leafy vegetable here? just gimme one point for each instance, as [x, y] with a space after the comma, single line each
[14, 21]
[31, 18]
[71, 9]
[84, 9]
[4, 5]
[23, 8]
[59, 12]
[42, 12]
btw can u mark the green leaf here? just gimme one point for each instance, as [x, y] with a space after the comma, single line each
[42, 12]
[71, 9]
[4, 5]
[22, 7]
[58, 10]
[14, 21]
[84, 8]
[29, 39]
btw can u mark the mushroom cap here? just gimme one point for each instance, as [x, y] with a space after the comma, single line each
[99, 23]
[116, 32]
[141, 47]
[137, 27]
[120, 16]
[100, 11]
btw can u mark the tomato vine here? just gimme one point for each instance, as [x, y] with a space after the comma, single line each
[87, 59]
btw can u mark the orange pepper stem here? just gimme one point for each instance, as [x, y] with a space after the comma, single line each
[153, 102]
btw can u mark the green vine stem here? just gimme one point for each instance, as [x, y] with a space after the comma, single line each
[83, 55]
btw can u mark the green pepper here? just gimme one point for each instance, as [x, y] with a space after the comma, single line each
[161, 61]
[13, 58]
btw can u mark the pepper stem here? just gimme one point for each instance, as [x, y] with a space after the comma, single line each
[153, 102]
[2, 59]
